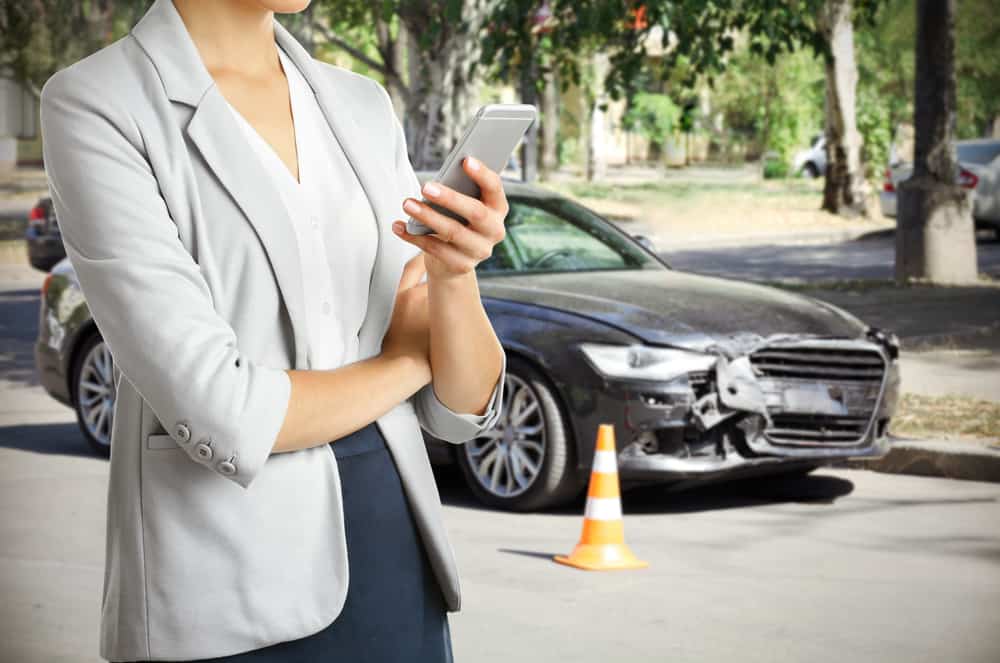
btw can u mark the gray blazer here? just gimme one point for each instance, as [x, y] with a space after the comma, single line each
[185, 254]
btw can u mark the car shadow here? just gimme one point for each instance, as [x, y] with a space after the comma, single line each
[660, 499]
[63, 439]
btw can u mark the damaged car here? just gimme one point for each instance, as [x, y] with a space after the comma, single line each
[703, 378]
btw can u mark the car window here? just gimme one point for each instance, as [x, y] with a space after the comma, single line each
[978, 153]
[557, 235]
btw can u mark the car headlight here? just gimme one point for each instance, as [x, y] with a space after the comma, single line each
[641, 362]
[887, 339]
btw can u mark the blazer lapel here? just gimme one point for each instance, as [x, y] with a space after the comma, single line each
[162, 34]
[220, 141]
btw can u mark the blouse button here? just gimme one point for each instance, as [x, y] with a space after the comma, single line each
[326, 308]
[204, 451]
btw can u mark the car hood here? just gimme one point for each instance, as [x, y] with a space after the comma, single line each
[670, 307]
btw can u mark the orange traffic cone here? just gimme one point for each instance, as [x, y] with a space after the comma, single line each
[602, 543]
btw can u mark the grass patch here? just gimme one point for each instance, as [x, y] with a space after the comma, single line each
[946, 417]
[684, 189]
[700, 203]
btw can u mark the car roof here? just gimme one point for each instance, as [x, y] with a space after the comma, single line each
[511, 186]
[978, 141]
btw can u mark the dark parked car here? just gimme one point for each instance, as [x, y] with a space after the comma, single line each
[703, 378]
[45, 247]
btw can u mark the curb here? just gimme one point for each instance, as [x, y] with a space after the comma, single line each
[969, 461]
[668, 246]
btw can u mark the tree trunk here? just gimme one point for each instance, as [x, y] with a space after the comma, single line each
[596, 100]
[550, 124]
[392, 50]
[935, 234]
[529, 146]
[443, 94]
[844, 190]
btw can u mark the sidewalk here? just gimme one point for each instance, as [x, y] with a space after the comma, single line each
[951, 348]
[977, 460]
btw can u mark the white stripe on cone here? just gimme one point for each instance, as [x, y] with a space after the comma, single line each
[605, 462]
[603, 508]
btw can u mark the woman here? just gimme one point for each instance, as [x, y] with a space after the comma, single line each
[226, 202]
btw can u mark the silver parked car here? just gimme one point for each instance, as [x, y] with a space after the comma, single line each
[978, 169]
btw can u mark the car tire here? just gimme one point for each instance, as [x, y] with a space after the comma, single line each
[93, 361]
[811, 170]
[544, 437]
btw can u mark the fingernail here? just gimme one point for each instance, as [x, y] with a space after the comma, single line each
[397, 227]
[473, 163]
[432, 190]
[410, 206]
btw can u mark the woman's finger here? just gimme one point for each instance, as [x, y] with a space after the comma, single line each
[471, 209]
[456, 260]
[448, 230]
[490, 185]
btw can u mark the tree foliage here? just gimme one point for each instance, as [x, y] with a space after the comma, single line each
[41, 37]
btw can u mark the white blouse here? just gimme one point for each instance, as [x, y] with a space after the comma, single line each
[333, 223]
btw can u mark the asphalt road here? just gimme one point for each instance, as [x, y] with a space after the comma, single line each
[842, 565]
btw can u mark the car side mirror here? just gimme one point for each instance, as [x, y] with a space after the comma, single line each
[645, 241]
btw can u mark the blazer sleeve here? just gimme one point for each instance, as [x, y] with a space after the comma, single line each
[144, 290]
[434, 416]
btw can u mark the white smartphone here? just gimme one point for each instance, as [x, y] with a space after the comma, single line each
[491, 137]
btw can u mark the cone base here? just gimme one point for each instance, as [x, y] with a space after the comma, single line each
[601, 557]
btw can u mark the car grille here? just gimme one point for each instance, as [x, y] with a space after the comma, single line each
[823, 395]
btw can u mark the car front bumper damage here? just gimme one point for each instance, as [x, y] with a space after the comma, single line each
[766, 405]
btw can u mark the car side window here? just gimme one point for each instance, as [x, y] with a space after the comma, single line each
[978, 153]
[538, 240]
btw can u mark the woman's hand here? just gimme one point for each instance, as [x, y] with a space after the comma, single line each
[408, 333]
[456, 249]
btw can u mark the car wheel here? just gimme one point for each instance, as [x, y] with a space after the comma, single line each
[526, 461]
[94, 393]
[811, 170]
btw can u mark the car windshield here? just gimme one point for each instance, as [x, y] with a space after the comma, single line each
[554, 234]
[978, 153]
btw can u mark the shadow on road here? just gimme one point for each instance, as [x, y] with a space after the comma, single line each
[740, 493]
[64, 439]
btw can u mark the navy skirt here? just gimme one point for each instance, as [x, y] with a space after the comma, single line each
[394, 611]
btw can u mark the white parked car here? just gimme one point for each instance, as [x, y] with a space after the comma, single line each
[812, 160]
[978, 170]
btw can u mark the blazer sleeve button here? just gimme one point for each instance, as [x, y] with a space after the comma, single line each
[227, 468]
[203, 451]
[182, 432]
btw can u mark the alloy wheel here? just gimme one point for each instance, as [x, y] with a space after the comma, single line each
[507, 459]
[96, 393]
